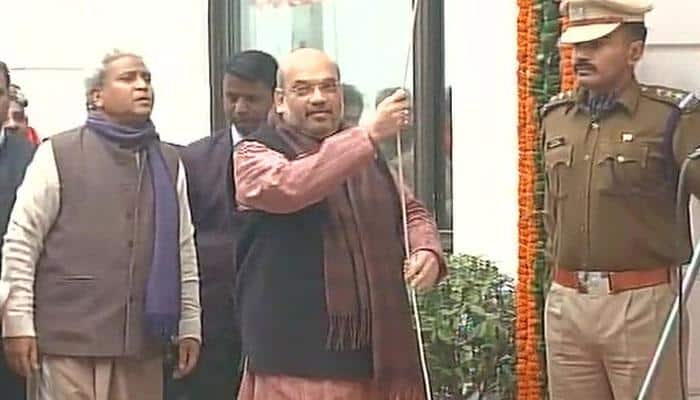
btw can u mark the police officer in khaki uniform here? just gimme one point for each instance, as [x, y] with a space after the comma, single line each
[612, 154]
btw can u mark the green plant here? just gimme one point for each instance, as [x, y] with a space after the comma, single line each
[468, 329]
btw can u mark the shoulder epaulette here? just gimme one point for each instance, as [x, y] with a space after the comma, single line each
[558, 100]
[686, 101]
[691, 103]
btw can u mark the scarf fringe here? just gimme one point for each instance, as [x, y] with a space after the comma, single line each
[349, 332]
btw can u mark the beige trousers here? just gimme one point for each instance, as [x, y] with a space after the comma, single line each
[86, 378]
[600, 346]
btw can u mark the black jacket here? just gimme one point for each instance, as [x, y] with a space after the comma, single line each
[280, 292]
[209, 169]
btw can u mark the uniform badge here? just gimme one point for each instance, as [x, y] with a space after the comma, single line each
[577, 12]
[555, 142]
[627, 137]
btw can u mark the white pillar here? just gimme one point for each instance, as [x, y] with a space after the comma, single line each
[481, 63]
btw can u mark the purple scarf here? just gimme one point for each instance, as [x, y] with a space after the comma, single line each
[162, 304]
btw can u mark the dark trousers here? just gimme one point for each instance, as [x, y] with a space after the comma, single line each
[11, 385]
[216, 377]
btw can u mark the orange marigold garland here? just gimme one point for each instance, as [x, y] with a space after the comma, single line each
[539, 78]
[527, 358]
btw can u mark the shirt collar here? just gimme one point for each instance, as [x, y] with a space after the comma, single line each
[235, 135]
[629, 99]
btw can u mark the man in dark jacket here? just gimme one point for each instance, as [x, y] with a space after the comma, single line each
[15, 154]
[248, 86]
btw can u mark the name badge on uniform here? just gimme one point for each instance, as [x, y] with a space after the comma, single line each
[577, 12]
[555, 142]
[627, 137]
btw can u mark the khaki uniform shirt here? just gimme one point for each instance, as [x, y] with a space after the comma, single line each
[611, 183]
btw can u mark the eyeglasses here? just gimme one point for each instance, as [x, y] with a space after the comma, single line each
[307, 89]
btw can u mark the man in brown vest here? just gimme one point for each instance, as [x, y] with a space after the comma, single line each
[100, 252]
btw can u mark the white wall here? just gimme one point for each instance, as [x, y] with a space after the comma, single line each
[481, 66]
[51, 46]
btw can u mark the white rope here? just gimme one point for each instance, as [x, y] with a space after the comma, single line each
[404, 214]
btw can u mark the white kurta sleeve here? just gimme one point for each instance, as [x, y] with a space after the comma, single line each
[34, 212]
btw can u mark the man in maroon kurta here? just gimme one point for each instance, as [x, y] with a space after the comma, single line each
[321, 287]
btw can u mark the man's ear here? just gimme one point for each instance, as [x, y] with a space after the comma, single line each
[636, 51]
[280, 104]
[96, 98]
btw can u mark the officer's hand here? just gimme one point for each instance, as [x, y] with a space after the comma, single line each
[21, 354]
[188, 350]
[393, 116]
[422, 270]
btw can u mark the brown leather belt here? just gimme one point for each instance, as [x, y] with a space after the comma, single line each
[616, 281]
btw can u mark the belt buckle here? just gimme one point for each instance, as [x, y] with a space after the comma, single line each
[596, 283]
